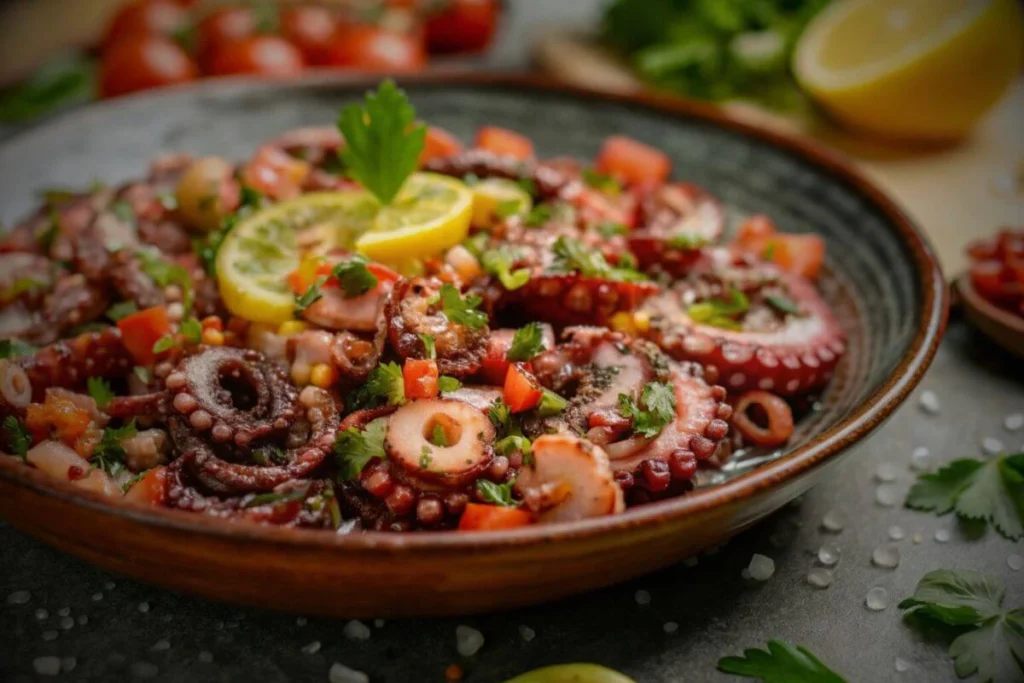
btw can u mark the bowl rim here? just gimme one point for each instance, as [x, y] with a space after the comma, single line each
[799, 461]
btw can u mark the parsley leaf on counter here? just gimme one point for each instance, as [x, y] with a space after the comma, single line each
[16, 436]
[353, 276]
[462, 310]
[991, 490]
[527, 342]
[354, 448]
[382, 141]
[659, 408]
[100, 391]
[994, 647]
[497, 494]
[780, 663]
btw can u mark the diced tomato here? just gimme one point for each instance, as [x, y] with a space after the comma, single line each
[382, 273]
[521, 392]
[59, 415]
[800, 254]
[139, 331]
[464, 26]
[151, 489]
[632, 162]
[275, 173]
[495, 364]
[420, 378]
[504, 142]
[754, 231]
[439, 144]
[480, 517]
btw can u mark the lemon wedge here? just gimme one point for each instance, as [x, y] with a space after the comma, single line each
[430, 214]
[911, 69]
[572, 673]
[496, 198]
[255, 258]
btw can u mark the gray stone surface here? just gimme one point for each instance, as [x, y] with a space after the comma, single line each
[136, 632]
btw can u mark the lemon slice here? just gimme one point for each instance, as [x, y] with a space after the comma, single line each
[915, 69]
[256, 257]
[498, 197]
[430, 214]
[572, 673]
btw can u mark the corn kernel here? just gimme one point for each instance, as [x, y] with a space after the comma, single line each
[212, 337]
[322, 375]
[213, 322]
[623, 322]
[300, 374]
[290, 328]
[642, 321]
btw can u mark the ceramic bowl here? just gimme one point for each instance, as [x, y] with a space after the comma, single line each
[881, 278]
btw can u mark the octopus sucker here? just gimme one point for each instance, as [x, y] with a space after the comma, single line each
[66, 363]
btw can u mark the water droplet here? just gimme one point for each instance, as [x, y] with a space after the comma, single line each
[379, 623]
[96, 597]
[942, 536]
[642, 597]
[357, 630]
[886, 495]
[902, 665]
[143, 607]
[468, 640]
[819, 577]
[143, 669]
[46, 666]
[920, 459]
[19, 598]
[1013, 422]
[49, 635]
[300, 621]
[205, 657]
[670, 627]
[929, 402]
[990, 445]
[761, 567]
[832, 522]
[886, 472]
[877, 599]
[1015, 562]
[41, 614]
[311, 648]
[161, 645]
[828, 554]
[886, 556]
[527, 633]
[66, 623]
[896, 533]
[340, 673]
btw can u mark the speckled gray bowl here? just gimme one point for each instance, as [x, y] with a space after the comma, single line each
[881, 278]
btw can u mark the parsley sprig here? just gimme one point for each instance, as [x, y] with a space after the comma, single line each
[354, 448]
[14, 348]
[353, 276]
[656, 409]
[382, 141]
[496, 494]
[527, 342]
[988, 490]
[993, 645]
[780, 663]
[462, 310]
[383, 385]
[721, 312]
[100, 391]
[109, 454]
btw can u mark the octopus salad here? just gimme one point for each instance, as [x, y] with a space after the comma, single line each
[373, 327]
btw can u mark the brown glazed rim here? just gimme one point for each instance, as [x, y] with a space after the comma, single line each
[799, 461]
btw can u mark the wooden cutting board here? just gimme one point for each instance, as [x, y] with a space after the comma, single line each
[956, 193]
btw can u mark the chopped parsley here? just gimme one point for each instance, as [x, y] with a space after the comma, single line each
[164, 273]
[309, 297]
[429, 348]
[508, 207]
[267, 455]
[274, 498]
[601, 181]
[687, 241]
[100, 391]
[539, 215]
[16, 436]
[124, 212]
[608, 229]
[164, 343]
[15, 348]
[571, 255]
[446, 384]
[498, 262]
[783, 304]
[438, 437]
[514, 442]
[462, 310]
[109, 455]
[551, 404]
[144, 374]
[353, 277]
[528, 186]
[192, 330]
[527, 342]
[382, 141]
[500, 416]
[426, 457]
[48, 235]
[384, 384]
[721, 313]
[496, 494]
[54, 196]
[354, 448]
[122, 309]
[657, 408]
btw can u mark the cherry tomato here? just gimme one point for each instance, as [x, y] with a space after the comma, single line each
[265, 55]
[369, 48]
[147, 61]
[140, 331]
[465, 26]
[439, 144]
[800, 254]
[504, 142]
[144, 17]
[311, 29]
[479, 517]
[521, 392]
[420, 378]
[632, 161]
[222, 26]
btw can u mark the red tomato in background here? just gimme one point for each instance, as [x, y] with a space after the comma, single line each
[632, 161]
[373, 49]
[504, 142]
[148, 61]
[265, 55]
[466, 26]
[142, 17]
[223, 26]
[311, 29]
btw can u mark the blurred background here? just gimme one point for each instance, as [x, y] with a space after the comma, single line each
[927, 96]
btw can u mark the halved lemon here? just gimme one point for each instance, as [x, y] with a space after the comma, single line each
[430, 214]
[572, 673]
[496, 198]
[256, 257]
[914, 69]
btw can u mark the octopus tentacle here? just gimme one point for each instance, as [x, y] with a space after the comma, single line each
[70, 362]
[675, 221]
[548, 180]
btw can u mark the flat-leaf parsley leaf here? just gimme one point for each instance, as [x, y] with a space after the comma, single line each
[780, 663]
